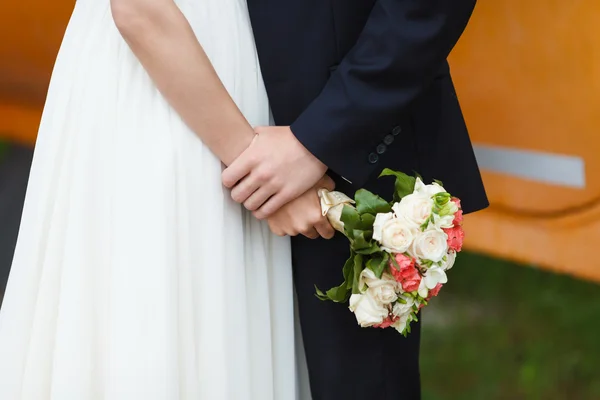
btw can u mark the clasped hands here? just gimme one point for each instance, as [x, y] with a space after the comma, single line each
[277, 179]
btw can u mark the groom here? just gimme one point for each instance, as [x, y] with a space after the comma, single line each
[355, 86]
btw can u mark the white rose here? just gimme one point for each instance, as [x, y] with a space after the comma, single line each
[415, 208]
[423, 291]
[367, 310]
[427, 190]
[384, 294]
[380, 220]
[396, 236]
[450, 259]
[403, 308]
[441, 222]
[451, 208]
[430, 245]
[368, 277]
[390, 278]
[382, 290]
[401, 323]
[433, 276]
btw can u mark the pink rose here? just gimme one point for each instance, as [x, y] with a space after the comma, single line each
[458, 217]
[456, 235]
[389, 321]
[408, 275]
[434, 292]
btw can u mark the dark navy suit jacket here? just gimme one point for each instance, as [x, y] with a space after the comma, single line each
[365, 85]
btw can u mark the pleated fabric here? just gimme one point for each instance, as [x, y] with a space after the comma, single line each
[135, 276]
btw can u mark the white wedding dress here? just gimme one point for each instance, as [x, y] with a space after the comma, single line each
[135, 275]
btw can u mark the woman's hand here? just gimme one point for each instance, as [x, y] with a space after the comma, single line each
[303, 215]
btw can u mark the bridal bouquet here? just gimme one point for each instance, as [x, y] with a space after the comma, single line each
[400, 251]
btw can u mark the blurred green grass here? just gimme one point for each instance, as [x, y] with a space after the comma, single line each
[3, 148]
[504, 331]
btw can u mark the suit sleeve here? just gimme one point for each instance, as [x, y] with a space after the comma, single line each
[399, 52]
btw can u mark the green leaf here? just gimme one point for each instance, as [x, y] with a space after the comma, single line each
[438, 182]
[350, 218]
[395, 263]
[378, 264]
[358, 268]
[425, 224]
[372, 249]
[340, 293]
[366, 222]
[404, 185]
[373, 263]
[320, 295]
[367, 202]
[360, 241]
[348, 265]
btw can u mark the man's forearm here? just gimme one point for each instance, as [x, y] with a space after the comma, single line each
[401, 49]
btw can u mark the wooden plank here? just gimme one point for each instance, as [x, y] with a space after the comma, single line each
[19, 123]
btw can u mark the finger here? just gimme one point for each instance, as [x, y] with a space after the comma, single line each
[272, 205]
[275, 226]
[327, 183]
[325, 229]
[285, 230]
[241, 167]
[259, 197]
[244, 189]
[310, 233]
[259, 129]
[277, 231]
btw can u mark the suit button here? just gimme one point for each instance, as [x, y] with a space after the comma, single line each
[381, 148]
[396, 131]
[388, 139]
[373, 158]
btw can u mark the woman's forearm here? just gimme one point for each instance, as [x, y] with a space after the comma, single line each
[163, 41]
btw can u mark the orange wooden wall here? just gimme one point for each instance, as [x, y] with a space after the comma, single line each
[527, 74]
[30, 35]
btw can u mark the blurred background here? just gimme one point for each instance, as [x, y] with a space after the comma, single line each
[520, 317]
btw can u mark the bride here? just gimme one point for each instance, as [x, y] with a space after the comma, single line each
[135, 275]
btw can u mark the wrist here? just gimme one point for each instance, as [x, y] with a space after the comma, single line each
[234, 146]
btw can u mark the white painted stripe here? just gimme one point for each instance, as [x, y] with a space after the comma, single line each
[555, 169]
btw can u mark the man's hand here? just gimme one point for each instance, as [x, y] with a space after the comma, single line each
[303, 215]
[275, 169]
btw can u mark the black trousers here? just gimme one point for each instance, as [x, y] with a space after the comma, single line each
[345, 361]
